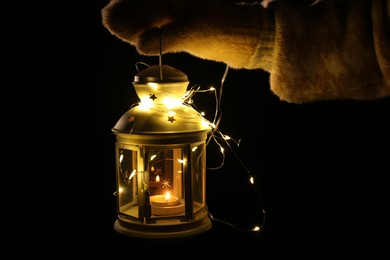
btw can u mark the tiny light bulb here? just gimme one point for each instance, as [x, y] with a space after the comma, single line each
[205, 123]
[132, 174]
[145, 104]
[256, 228]
[157, 178]
[181, 161]
[252, 180]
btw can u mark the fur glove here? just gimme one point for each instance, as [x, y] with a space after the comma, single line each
[208, 29]
[331, 49]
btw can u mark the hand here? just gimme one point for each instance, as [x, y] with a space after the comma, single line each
[208, 29]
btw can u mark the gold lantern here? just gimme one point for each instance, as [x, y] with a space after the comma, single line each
[161, 160]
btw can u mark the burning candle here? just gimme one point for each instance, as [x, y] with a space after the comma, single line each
[166, 204]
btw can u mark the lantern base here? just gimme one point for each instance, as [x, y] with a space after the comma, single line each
[162, 231]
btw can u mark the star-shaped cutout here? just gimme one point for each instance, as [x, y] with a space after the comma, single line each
[131, 119]
[165, 183]
[152, 96]
[158, 170]
[171, 119]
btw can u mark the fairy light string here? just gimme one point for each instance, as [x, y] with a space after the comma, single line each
[220, 139]
[217, 135]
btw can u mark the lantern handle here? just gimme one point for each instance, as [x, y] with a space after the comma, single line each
[160, 56]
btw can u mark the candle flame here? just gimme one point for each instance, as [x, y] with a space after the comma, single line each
[167, 196]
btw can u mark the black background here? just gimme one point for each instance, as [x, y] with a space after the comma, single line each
[321, 168]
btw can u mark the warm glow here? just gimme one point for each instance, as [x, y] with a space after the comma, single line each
[121, 157]
[120, 189]
[252, 180]
[152, 157]
[212, 88]
[171, 113]
[172, 102]
[157, 178]
[145, 104]
[194, 148]
[153, 85]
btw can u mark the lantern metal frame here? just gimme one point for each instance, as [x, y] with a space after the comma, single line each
[140, 131]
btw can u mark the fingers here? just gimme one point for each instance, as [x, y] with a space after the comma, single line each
[225, 33]
[180, 28]
[169, 38]
[127, 19]
[208, 29]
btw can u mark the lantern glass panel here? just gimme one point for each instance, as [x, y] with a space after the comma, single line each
[198, 169]
[127, 180]
[165, 166]
[161, 161]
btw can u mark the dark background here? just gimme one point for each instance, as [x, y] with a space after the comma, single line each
[321, 168]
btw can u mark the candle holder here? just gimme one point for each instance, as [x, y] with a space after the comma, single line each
[161, 160]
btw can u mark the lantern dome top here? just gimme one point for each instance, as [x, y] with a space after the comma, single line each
[160, 74]
[162, 108]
